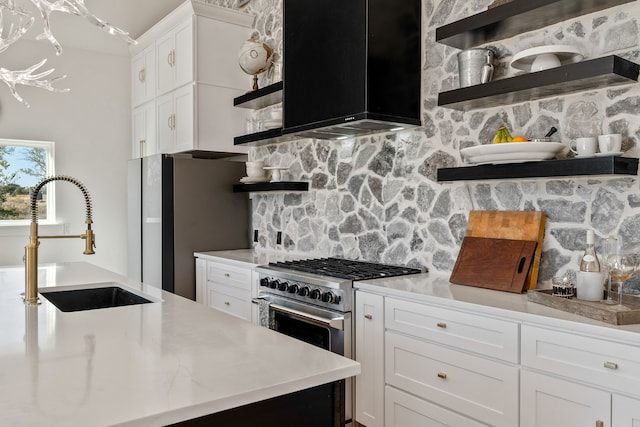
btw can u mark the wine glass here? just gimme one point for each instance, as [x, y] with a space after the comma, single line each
[621, 267]
[609, 248]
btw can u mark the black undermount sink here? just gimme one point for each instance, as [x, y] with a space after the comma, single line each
[93, 298]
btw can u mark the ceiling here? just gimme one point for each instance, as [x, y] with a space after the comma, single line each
[133, 16]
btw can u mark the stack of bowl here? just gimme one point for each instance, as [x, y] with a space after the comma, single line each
[255, 172]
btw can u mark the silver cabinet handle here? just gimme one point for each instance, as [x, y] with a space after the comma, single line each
[368, 316]
[227, 275]
[442, 375]
[611, 365]
[227, 303]
[142, 75]
[441, 325]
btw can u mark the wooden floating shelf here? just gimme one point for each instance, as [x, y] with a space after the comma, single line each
[587, 75]
[271, 186]
[516, 17]
[260, 98]
[549, 168]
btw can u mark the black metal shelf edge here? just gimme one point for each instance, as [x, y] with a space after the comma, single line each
[271, 186]
[587, 75]
[516, 17]
[260, 98]
[258, 139]
[609, 165]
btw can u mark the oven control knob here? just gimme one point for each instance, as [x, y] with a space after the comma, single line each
[292, 289]
[329, 297]
[304, 291]
[274, 284]
[264, 282]
[283, 286]
[316, 294]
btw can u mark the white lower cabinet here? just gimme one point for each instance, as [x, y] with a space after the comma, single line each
[458, 367]
[626, 411]
[546, 401]
[227, 287]
[405, 410]
[369, 351]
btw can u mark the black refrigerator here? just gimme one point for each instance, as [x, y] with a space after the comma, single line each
[178, 205]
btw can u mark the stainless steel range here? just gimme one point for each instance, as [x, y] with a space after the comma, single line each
[312, 300]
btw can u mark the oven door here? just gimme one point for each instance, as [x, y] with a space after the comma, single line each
[320, 327]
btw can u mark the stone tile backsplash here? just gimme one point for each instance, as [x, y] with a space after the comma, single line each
[376, 198]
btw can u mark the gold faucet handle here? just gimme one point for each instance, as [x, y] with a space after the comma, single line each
[90, 242]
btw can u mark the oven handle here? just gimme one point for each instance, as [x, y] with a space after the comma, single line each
[334, 323]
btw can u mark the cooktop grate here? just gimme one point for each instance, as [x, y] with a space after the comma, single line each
[345, 269]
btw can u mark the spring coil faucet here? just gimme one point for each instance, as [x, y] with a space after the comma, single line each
[31, 250]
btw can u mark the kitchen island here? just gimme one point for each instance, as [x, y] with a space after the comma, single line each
[154, 364]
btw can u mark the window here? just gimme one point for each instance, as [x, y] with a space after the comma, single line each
[22, 165]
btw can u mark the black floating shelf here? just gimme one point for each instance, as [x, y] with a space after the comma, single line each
[257, 139]
[260, 98]
[587, 75]
[271, 186]
[516, 17]
[609, 165]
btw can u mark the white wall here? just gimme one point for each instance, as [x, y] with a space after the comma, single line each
[91, 128]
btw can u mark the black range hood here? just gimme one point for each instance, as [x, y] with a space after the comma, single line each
[351, 67]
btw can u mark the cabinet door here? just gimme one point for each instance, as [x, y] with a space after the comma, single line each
[144, 141]
[626, 412]
[184, 121]
[175, 58]
[165, 123]
[369, 351]
[143, 78]
[405, 410]
[547, 401]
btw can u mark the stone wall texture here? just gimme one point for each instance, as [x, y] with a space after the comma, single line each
[376, 198]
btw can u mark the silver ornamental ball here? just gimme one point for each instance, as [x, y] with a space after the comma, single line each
[255, 57]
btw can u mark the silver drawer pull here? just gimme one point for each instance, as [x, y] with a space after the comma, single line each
[441, 325]
[227, 303]
[368, 316]
[227, 275]
[442, 375]
[610, 365]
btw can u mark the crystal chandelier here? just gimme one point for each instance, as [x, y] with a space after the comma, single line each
[21, 21]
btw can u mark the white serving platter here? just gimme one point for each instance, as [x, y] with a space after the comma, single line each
[511, 152]
[566, 54]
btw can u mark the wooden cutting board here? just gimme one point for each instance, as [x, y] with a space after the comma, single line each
[513, 225]
[499, 264]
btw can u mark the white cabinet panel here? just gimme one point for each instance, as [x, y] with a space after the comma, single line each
[479, 388]
[144, 131]
[590, 359]
[626, 412]
[143, 78]
[405, 410]
[175, 121]
[369, 351]
[546, 401]
[201, 280]
[174, 54]
[479, 334]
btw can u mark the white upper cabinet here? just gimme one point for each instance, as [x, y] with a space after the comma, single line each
[187, 65]
[143, 78]
[175, 58]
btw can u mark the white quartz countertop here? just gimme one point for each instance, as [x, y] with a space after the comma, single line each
[250, 257]
[142, 365]
[435, 288]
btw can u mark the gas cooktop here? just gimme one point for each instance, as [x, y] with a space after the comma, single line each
[345, 269]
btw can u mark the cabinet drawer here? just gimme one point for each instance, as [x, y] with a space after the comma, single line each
[588, 359]
[229, 274]
[479, 334]
[229, 302]
[405, 410]
[479, 388]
